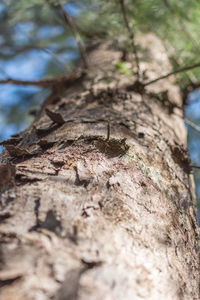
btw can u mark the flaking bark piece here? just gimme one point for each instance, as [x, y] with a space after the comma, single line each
[70, 286]
[45, 144]
[4, 215]
[12, 141]
[137, 87]
[43, 131]
[16, 151]
[55, 117]
[9, 281]
[181, 157]
[7, 175]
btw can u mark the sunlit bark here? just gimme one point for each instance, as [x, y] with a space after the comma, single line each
[101, 205]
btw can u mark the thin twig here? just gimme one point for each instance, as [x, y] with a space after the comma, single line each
[132, 37]
[108, 132]
[195, 167]
[42, 82]
[191, 124]
[56, 59]
[187, 68]
[72, 26]
[177, 60]
[49, 82]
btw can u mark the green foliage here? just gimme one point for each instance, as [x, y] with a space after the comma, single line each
[39, 25]
[175, 22]
[123, 68]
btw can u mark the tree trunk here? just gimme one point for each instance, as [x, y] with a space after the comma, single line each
[96, 194]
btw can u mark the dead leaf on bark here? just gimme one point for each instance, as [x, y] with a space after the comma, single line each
[112, 148]
[16, 151]
[55, 117]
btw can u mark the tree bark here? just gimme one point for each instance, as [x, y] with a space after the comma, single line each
[96, 195]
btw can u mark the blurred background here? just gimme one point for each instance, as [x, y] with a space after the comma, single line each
[36, 42]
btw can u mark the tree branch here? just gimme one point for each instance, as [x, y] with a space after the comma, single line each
[195, 167]
[191, 124]
[187, 68]
[43, 83]
[49, 82]
[131, 36]
[68, 20]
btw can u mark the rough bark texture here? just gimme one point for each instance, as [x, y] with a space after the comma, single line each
[100, 203]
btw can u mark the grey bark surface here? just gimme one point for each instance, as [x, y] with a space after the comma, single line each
[96, 196]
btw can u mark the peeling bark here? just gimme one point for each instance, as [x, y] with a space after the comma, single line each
[98, 200]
